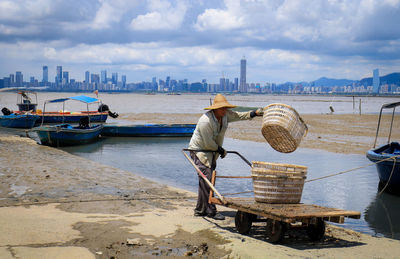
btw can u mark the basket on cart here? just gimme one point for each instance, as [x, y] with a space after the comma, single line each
[278, 183]
[283, 127]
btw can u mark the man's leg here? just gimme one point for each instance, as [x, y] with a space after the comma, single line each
[203, 208]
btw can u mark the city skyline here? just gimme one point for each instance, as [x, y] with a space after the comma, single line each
[283, 41]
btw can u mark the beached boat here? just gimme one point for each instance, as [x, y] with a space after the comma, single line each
[67, 134]
[149, 130]
[23, 121]
[387, 156]
[27, 101]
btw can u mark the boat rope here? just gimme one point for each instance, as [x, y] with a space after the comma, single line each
[353, 169]
[390, 177]
[99, 200]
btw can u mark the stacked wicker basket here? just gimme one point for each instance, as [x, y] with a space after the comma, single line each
[278, 183]
[283, 128]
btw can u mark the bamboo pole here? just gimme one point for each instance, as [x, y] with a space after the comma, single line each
[205, 178]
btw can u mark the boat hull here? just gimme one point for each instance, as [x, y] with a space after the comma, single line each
[149, 130]
[66, 135]
[390, 168]
[23, 121]
[56, 117]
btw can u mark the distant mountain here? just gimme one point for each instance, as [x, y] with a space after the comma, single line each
[393, 78]
[323, 81]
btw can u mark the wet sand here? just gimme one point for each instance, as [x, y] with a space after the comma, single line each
[53, 204]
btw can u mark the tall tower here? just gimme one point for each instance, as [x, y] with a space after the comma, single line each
[19, 79]
[45, 74]
[242, 85]
[59, 75]
[376, 81]
[104, 76]
[87, 75]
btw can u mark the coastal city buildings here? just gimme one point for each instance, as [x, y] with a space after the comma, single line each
[388, 84]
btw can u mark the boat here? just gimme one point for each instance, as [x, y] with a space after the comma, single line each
[23, 121]
[387, 156]
[27, 102]
[149, 130]
[66, 134]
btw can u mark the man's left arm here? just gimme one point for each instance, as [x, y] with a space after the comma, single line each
[236, 116]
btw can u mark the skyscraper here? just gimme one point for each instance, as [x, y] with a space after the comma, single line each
[242, 86]
[45, 74]
[114, 78]
[376, 81]
[18, 78]
[104, 76]
[65, 79]
[123, 79]
[59, 75]
[87, 75]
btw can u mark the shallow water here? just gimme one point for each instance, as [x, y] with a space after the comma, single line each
[194, 103]
[161, 160]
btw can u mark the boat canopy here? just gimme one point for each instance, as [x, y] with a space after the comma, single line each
[81, 98]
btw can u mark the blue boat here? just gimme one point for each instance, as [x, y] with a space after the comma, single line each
[67, 135]
[23, 121]
[387, 156]
[149, 130]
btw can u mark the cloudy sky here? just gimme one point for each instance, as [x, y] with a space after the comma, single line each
[293, 40]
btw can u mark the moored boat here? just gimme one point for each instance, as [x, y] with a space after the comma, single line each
[67, 135]
[387, 156]
[23, 121]
[149, 130]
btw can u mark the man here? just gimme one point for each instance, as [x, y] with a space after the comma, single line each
[209, 135]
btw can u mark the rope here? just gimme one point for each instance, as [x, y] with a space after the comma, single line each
[390, 177]
[353, 169]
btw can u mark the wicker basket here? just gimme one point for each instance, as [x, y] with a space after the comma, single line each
[283, 127]
[278, 183]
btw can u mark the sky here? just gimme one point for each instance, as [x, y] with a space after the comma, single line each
[293, 40]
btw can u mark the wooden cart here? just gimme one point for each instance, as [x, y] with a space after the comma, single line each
[279, 217]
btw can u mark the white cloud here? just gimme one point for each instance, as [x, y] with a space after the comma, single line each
[162, 16]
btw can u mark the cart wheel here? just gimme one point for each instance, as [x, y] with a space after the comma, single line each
[275, 230]
[316, 231]
[243, 221]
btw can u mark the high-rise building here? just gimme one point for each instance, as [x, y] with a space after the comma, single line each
[114, 78]
[123, 79]
[65, 79]
[59, 75]
[104, 76]
[19, 79]
[45, 74]
[243, 86]
[12, 79]
[236, 85]
[87, 75]
[375, 81]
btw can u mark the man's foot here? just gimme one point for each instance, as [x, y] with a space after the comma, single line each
[199, 214]
[216, 216]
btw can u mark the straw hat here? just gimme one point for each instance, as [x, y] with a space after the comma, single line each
[220, 102]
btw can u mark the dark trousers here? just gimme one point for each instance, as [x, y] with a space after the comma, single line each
[203, 207]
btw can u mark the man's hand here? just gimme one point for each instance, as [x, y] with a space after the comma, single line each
[259, 112]
[221, 151]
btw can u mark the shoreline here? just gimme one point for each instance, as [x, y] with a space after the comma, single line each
[54, 203]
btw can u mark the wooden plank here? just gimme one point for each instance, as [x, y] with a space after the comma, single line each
[288, 212]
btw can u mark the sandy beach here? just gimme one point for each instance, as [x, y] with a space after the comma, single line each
[57, 205]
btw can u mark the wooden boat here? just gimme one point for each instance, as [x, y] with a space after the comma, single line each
[149, 130]
[67, 135]
[23, 121]
[387, 156]
[27, 101]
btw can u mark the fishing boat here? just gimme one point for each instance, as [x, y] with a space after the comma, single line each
[387, 156]
[149, 130]
[23, 121]
[27, 102]
[66, 134]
